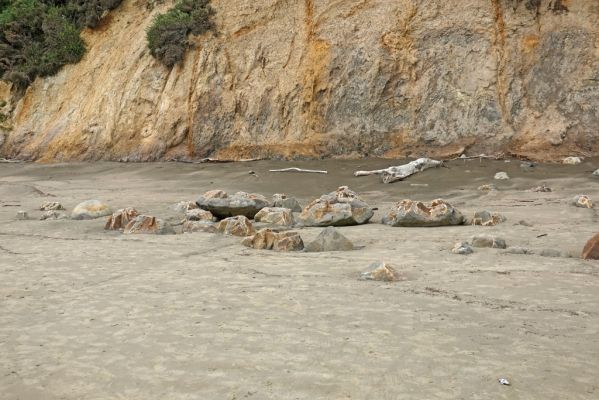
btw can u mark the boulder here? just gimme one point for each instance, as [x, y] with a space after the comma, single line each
[267, 239]
[52, 214]
[51, 206]
[330, 240]
[554, 253]
[284, 201]
[488, 241]
[487, 188]
[119, 220]
[463, 248]
[22, 215]
[591, 249]
[596, 173]
[222, 205]
[275, 216]
[146, 224]
[415, 213]
[501, 176]
[572, 160]
[582, 201]
[485, 218]
[236, 226]
[381, 271]
[184, 206]
[518, 250]
[342, 207]
[91, 209]
[527, 166]
[198, 226]
[197, 214]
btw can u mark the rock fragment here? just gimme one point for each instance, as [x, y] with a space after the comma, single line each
[582, 201]
[276, 216]
[119, 220]
[146, 224]
[51, 206]
[418, 214]
[541, 189]
[330, 240]
[184, 206]
[236, 226]
[91, 209]
[487, 188]
[501, 176]
[381, 271]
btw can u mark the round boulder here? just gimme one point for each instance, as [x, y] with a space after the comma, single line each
[416, 213]
[91, 209]
[222, 205]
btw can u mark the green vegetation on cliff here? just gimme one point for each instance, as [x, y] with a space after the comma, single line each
[38, 37]
[167, 36]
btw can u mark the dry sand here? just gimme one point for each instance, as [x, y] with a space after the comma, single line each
[90, 314]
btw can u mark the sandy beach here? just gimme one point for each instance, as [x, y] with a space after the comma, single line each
[92, 314]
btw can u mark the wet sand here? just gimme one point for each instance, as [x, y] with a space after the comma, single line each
[91, 314]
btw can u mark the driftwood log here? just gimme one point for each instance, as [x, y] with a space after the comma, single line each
[294, 169]
[397, 173]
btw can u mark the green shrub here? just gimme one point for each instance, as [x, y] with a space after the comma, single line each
[167, 35]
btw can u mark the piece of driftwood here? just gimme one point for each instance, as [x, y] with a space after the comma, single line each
[6, 160]
[397, 173]
[214, 160]
[294, 169]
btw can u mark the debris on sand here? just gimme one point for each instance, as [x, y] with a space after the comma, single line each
[487, 188]
[400, 172]
[419, 214]
[541, 189]
[342, 207]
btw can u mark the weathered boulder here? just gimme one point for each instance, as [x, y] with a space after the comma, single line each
[146, 224]
[572, 160]
[582, 201]
[197, 214]
[485, 218]
[236, 226]
[555, 253]
[91, 209]
[51, 205]
[222, 205]
[267, 239]
[119, 220]
[518, 250]
[275, 215]
[330, 240]
[284, 201]
[52, 214]
[501, 176]
[591, 249]
[487, 188]
[198, 226]
[463, 248]
[339, 208]
[416, 213]
[488, 241]
[381, 271]
[184, 206]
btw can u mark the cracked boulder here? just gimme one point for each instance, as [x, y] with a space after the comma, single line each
[267, 239]
[342, 207]
[91, 209]
[236, 226]
[221, 205]
[146, 224]
[410, 213]
[275, 215]
[118, 220]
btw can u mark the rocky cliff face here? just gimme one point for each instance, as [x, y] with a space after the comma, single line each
[312, 78]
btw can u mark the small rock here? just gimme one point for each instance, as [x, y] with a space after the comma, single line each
[591, 248]
[146, 224]
[501, 176]
[91, 209]
[197, 214]
[330, 240]
[542, 189]
[52, 214]
[22, 215]
[487, 188]
[198, 226]
[119, 220]
[462, 248]
[596, 173]
[339, 208]
[222, 205]
[488, 241]
[184, 206]
[51, 205]
[381, 271]
[582, 201]
[282, 200]
[275, 215]
[485, 218]
[527, 165]
[571, 160]
[518, 250]
[524, 223]
[236, 226]
[553, 253]
[267, 239]
[416, 213]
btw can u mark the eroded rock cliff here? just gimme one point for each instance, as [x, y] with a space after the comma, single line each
[313, 78]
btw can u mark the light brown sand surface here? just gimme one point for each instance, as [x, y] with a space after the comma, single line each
[91, 314]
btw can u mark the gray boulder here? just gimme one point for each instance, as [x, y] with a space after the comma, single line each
[284, 201]
[329, 240]
[222, 205]
[342, 207]
[91, 209]
[416, 213]
[463, 248]
[488, 241]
